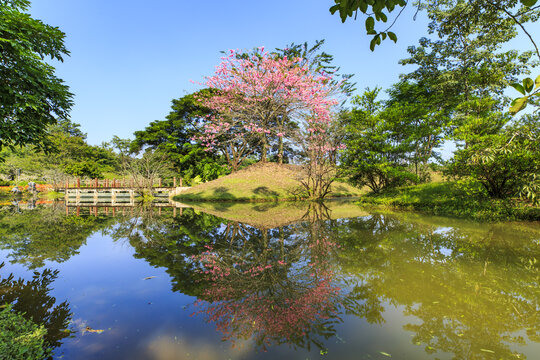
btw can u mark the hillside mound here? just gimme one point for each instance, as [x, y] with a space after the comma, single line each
[260, 182]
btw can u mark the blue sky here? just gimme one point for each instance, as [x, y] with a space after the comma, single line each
[129, 59]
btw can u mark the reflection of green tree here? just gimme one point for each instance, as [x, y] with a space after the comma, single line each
[169, 242]
[44, 234]
[473, 288]
[32, 299]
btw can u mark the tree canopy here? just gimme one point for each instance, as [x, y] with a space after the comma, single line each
[32, 97]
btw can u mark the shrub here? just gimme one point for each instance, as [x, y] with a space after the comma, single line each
[20, 338]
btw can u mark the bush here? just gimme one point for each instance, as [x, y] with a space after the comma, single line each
[506, 163]
[84, 169]
[20, 338]
[463, 199]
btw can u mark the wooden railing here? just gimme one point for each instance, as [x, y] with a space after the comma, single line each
[113, 183]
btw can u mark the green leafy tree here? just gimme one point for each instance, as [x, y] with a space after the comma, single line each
[376, 150]
[32, 97]
[86, 168]
[464, 66]
[174, 137]
[69, 155]
[417, 122]
[518, 13]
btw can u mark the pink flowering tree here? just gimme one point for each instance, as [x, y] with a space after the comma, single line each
[258, 95]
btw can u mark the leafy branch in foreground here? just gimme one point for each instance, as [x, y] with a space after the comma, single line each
[31, 96]
[528, 88]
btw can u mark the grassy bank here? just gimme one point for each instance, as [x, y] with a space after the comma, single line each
[260, 182]
[449, 200]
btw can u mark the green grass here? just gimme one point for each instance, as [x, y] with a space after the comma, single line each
[448, 199]
[259, 182]
[52, 195]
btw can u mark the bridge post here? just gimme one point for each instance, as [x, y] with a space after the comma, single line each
[174, 181]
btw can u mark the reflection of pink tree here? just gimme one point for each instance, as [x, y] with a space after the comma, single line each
[274, 297]
[256, 95]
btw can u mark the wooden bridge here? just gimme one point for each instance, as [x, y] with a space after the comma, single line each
[114, 192]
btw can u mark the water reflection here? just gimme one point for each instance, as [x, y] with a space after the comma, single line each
[33, 300]
[270, 287]
[473, 292]
[33, 236]
[466, 290]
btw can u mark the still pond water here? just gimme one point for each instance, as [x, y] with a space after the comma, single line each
[324, 283]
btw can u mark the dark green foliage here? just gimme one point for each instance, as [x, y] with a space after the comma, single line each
[175, 138]
[379, 11]
[32, 97]
[20, 339]
[84, 169]
[69, 154]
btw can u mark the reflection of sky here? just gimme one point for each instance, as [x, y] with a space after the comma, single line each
[143, 319]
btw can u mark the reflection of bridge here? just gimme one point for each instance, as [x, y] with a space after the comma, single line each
[123, 209]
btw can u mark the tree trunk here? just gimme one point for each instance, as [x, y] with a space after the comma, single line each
[264, 149]
[280, 150]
